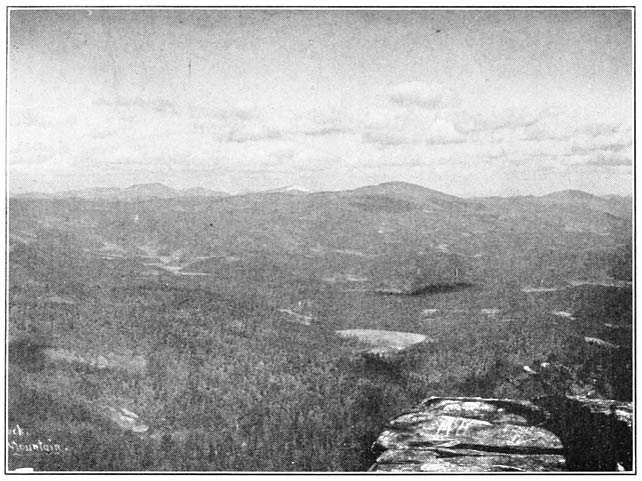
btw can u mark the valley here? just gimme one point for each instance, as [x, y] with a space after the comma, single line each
[155, 329]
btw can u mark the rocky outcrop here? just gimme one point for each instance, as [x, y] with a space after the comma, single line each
[130, 363]
[492, 435]
[122, 417]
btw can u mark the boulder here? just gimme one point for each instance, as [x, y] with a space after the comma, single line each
[599, 342]
[124, 419]
[492, 435]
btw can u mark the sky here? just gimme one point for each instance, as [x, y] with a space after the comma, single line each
[469, 102]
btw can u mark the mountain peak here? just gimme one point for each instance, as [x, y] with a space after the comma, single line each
[150, 186]
[401, 183]
[290, 189]
[405, 190]
[202, 192]
[570, 194]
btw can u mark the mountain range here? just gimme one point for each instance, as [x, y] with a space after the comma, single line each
[399, 190]
[216, 319]
[133, 192]
[349, 233]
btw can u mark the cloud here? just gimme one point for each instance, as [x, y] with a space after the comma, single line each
[391, 126]
[386, 138]
[420, 94]
[157, 104]
[321, 131]
[410, 128]
[251, 132]
[443, 132]
[496, 119]
[439, 133]
[227, 111]
[556, 123]
[236, 124]
[546, 136]
[610, 159]
[598, 128]
[520, 149]
[611, 139]
[532, 122]
[321, 121]
[137, 139]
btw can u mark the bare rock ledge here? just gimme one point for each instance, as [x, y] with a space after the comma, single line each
[491, 435]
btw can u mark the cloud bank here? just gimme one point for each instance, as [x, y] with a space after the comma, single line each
[417, 127]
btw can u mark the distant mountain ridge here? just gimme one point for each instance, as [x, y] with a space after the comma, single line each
[405, 191]
[616, 205]
[289, 189]
[345, 234]
[570, 195]
[133, 192]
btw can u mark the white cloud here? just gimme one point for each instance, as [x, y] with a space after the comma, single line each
[398, 127]
[473, 119]
[611, 140]
[156, 104]
[421, 94]
[151, 140]
[610, 158]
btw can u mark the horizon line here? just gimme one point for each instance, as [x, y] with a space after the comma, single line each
[292, 187]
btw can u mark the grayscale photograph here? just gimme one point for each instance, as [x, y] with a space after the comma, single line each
[319, 240]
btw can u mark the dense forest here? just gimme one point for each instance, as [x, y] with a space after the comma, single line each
[217, 369]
